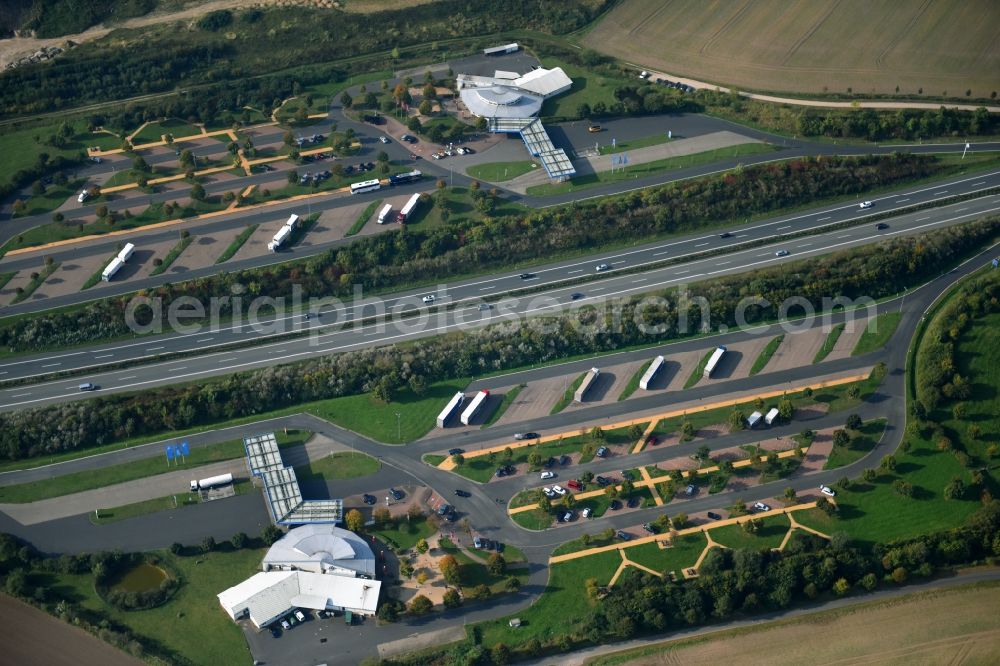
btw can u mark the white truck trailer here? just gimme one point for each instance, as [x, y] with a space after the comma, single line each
[474, 406]
[450, 409]
[771, 416]
[383, 216]
[211, 482]
[408, 209]
[112, 268]
[126, 252]
[713, 361]
[586, 384]
[283, 233]
[650, 373]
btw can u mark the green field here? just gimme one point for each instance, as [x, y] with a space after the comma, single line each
[341, 465]
[862, 442]
[154, 132]
[76, 482]
[885, 326]
[405, 534]
[765, 355]
[588, 88]
[473, 572]
[498, 172]
[829, 343]
[54, 196]
[770, 535]
[682, 555]
[633, 171]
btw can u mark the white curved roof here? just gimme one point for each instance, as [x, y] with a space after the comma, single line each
[319, 548]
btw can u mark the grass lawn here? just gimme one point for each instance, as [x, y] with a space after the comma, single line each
[567, 397]
[592, 541]
[433, 459]
[405, 533]
[237, 243]
[21, 145]
[699, 370]
[533, 520]
[765, 355]
[35, 282]
[562, 607]
[6, 277]
[862, 442]
[588, 88]
[378, 420]
[54, 196]
[885, 326]
[191, 624]
[633, 171]
[171, 257]
[682, 555]
[633, 382]
[154, 132]
[340, 465]
[498, 172]
[363, 218]
[138, 469]
[114, 514]
[770, 535]
[473, 572]
[508, 399]
[460, 205]
[828, 344]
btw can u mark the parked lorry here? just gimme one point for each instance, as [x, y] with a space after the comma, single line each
[474, 406]
[449, 410]
[211, 482]
[713, 361]
[408, 209]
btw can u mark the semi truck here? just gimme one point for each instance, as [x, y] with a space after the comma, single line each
[408, 209]
[383, 216]
[650, 373]
[126, 252]
[588, 382]
[211, 482]
[713, 361]
[474, 406]
[450, 409]
[283, 233]
[112, 268]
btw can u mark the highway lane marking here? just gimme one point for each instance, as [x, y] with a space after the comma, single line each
[659, 254]
[742, 236]
[903, 200]
[976, 184]
[921, 219]
[129, 377]
[803, 245]
[941, 192]
[823, 218]
[226, 360]
[579, 270]
[20, 395]
[492, 286]
[51, 365]
[526, 312]
[153, 348]
[204, 339]
[639, 280]
[183, 367]
[686, 270]
[844, 236]
[724, 263]
[959, 210]
[701, 244]
[104, 356]
[785, 227]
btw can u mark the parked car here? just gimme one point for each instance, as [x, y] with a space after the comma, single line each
[781, 253]
[564, 459]
[614, 505]
[559, 489]
[300, 616]
[548, 475]
[477, 543]
[760, 506]
[500, 472]
[525, 435]
[624, 536]
[384, 139]
[600, 268]
[408, 138]
[549, 463]
[714, 516]
[601, 481]
[396, 494]
[455, 452]
[690, 490]
[827, 490]
[587, 512]
[594, 129]
[601, 452]
[285, 625]
[633, 502]
[649, 528]
[368, 499]
[574, 484]
[463, 493]
[566, 517]
[548, 492]
[865, 204]
[275, 631]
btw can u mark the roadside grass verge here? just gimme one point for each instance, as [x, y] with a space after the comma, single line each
[885, 325]
[340, 465]
[772, 531]
[498, 172]
[95, 277]
[363, 218]
[53, 197]
[567, 397]
[143, 508]
[6, 277]
[171, 257]
[36, 282]
[829, 343]
[765, 355]
[536, 519]
[862, 441]
[237, 243]
[633, 171]
[433, 459]
[633, 383]
[508, 399]
[473, 572]
[699, 370]
[76, 482]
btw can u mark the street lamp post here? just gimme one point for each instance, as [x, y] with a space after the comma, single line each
[399, 435]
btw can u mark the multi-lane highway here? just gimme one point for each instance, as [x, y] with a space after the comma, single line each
[460, 306]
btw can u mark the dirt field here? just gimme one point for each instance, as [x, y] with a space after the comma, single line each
[803, 46]
[33, 638]
[947, 627]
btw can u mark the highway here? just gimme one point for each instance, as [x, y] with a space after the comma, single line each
[325, 333]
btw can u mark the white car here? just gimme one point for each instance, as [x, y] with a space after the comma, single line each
[602, 267]
[285, 625]
[827, 490]
[865, 204]
[548, 475]
[760, 506]
[429, 298]
[299, 616]
[558, 490]
[586, 512]
[548, 492]
[384, 139]
[781, 253]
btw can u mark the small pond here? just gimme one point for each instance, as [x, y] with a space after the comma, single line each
[143, 578]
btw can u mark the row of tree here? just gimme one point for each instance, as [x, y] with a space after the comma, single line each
[874, 271]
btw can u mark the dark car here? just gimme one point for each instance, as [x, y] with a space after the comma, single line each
[714, 516]
[615, 505]
[445, 509]
[601, 452]
[276, 631]
[725, 234]
[575, 296]
[881, 225]
[368, 499]
[500, 472]
[564, 459]
[624, 536]
[527, 276]
[649, 528]
[633, 502]
[549, 463]
[601, 481]
[463, 493]
[455, 452]
[396, 494]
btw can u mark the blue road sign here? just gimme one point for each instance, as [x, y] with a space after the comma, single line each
[171, 452]
[996, 262]
[185, 449]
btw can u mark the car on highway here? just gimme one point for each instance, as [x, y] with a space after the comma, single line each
[548, 475]
[781, 253]
[463, 493]
[430, 298]
[600, 268]
[526, 276]
[601, 452]
[575, 296]
[525, 435]
[725, 234]
[760, 506]
[558, 490]
[89, 386]
[624, 536]
[594, 129]
[865, 204]
[827, 490]
[485, 307]
[368, 499]
[713, 515]
[384, 139]
[396, 494]
[881, 226]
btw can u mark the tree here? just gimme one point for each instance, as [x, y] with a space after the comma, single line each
[903, 487]
[587, 476]
[58, 217]
[790, 496]
[826, 506]
[481, 591]
[422, 577]
[496, 565]
[419, 605]
[271, 534]
[414, 125]
[19, 207]
[752, 526]
[405, 568]
[500, 654]
[346, 100]
[853, 422]
[703, 453]
[208, 545]
[451, 599]
[176, 548]
[840, 437]
[869, 475]
[139, 164]
[458, 459]
[197, 192]
[354, 520]
[425, 107]
[737, 420]
[635, 431]
[841, 587]
[680, 521]
[422, 546]
[785, 409]
[583, 110]
[293, 176]
[955, 489]
[597, 434]
[512, 584]
[37, 189]
[239, 540]
[101, 211]
[888, 463]
[381, 516]
[186, 158]
[448, 566]
[687, 430]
